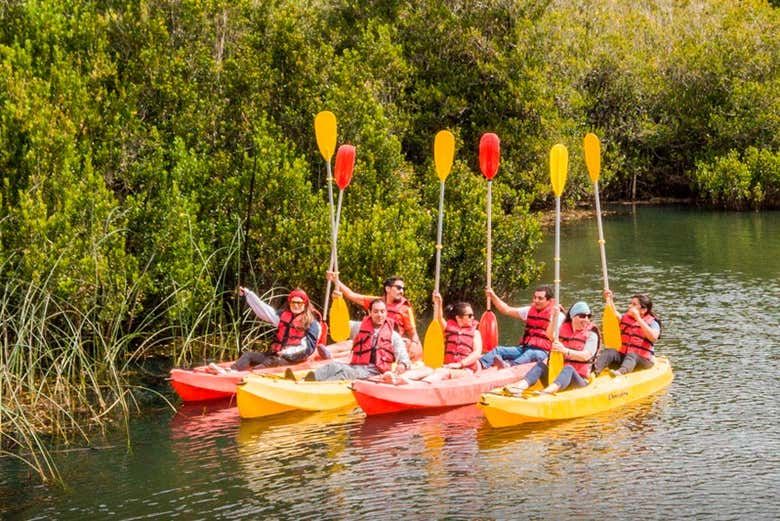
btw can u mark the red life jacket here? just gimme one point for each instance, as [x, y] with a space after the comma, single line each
[290, 331]
[459, 343]
[396, 311]
[632, 338]
[365, 351]
[535, 333]
[575, 340]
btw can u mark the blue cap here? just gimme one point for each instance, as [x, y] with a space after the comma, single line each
[579, 308]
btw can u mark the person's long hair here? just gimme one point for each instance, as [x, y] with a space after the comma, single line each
[307, 315]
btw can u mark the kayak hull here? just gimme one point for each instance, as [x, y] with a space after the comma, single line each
[383, 398]
[604, 393]
[200, 384]
[265, 395]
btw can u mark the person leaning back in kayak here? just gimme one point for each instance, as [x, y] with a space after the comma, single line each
[297, 334]
[640, 329]
[462, 344]
[399, 310]
[535, 344]
[376, 346]
[578, 341]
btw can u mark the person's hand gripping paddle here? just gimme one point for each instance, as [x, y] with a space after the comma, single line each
[339, 314]
[443, 154]
[489, 158]
[559, 164]
[609, 320]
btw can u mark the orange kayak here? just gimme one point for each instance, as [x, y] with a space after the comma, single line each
[202, 384]
[381, 398]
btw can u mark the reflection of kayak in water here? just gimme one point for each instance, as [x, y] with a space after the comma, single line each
[296, 424]
[604, 393]
[380, 398]
[202, 384]
[204, 421]
[263, 395]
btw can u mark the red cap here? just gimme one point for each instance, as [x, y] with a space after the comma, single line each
[298, 292]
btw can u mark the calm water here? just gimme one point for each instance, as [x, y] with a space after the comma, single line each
[707, 448]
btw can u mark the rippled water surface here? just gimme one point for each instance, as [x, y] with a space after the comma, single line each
[706, 448]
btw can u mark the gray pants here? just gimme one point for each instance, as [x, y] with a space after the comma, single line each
[608, 357]
[342, 371]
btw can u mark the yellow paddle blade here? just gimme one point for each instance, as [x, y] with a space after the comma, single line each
[325, 131]
[339, 320]
[592, 147]
[559, 166]
[433, 345]
[554, 366]
[443, 153]
[611, 327]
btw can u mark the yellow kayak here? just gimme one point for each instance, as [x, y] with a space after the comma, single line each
[263, 395]
[603, 393]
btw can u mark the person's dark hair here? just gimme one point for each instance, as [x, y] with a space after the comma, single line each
[644, 301]
[373, 302]
[390, 281]
[454, 310]
[548, 291]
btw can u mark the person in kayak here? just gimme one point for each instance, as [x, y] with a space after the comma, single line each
[578, 341]
[535, 343]
[297, 335]
[462, 344]
[640, 329]
[399, 310]
[376, 347]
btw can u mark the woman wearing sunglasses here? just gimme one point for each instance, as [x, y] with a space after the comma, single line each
[297, 333]
[579, 341]
[462, 343]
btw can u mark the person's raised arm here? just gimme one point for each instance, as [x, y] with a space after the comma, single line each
[350, 295]
[262, 310]
[500, 305]
[438, 312]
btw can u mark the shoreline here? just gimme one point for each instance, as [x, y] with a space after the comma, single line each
[585, 211]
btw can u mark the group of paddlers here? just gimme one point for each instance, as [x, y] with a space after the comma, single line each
[386, 346]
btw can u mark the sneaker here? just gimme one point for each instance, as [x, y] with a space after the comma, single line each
[289, 375]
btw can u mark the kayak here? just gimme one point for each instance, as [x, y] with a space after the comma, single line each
[201, 384]
[603, 393]
[264, 395]
[381, 398]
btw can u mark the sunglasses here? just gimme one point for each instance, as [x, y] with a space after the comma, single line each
[296, 303]
[583, 315]
[467, 315]
[399, 288]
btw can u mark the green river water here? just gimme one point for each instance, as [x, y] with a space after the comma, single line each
[708, 447]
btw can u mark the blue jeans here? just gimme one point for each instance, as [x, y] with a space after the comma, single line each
[531, 354]
[536, 372]
[506, 353]
[570, 377]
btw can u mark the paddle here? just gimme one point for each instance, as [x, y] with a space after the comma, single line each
[609, 320]
[339, 314]
[325, 132]
[443, 154]
[489, 158]
[559, 164]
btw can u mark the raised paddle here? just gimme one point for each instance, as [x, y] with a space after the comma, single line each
[489, 159]
[339, 314]
[559, 164]
[325, 132]
[609, 321]
[443, 154]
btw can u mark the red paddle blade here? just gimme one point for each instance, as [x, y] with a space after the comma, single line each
[488, 329]
[489, 154]
[345, 163]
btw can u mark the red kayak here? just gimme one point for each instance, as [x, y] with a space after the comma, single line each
[381, 398]
[202, 384]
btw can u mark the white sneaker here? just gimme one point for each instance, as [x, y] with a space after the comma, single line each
[217, 369]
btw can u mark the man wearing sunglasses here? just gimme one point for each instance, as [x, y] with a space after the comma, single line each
[399, 310]
[535, 344]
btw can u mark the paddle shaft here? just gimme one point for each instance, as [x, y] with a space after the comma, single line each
[332, 240]
[489, 238]
[601, 237]
[557, 262]
[439, 236]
